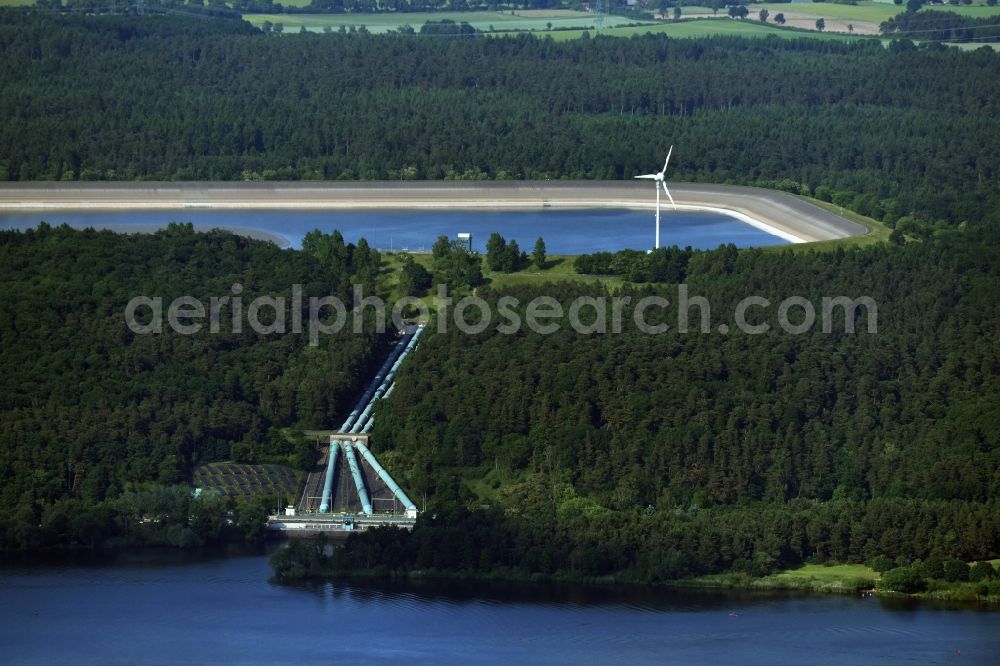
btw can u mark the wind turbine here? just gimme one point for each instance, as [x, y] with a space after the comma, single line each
[658, 178]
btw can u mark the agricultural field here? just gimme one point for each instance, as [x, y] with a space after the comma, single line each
[872, 12]
[867, 10]
[708, 28]
[864, 17]
[538, 20]
[860, 19]
[247, 480]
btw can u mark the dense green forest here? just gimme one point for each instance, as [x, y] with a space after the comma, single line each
[648, 457]
[665, 456]
[91, 414]
[888, 132]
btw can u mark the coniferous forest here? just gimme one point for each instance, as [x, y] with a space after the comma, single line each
[99, 422]
[647, 457]
[680, 454]
[888, 132]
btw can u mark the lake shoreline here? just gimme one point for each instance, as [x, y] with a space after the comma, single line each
[220, 610]
[729, 582]
[778, 213]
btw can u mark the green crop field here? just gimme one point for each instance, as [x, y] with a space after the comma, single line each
[484, 21]
[568, 24]
[872, 12]
[710, 28]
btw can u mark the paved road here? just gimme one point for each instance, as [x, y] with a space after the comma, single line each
[776, 212]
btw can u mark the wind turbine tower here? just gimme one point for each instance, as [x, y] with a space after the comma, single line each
[658, 180]
[600, 15]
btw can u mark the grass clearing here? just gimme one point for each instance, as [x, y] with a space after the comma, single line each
[558, 268]
[845, 579]
[837, 578]
[388, 279]
[828, 573]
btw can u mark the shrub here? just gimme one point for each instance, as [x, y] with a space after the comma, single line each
[955, 570]
[932, 567]
[902, 579]
[881, 564]
[982, 571]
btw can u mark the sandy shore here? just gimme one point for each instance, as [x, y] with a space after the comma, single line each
[775, 212]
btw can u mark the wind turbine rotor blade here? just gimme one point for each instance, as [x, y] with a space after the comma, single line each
[669, 197]
[648, 176]
[667, 161]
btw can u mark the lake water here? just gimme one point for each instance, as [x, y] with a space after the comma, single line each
[565, 232]
[156, 607]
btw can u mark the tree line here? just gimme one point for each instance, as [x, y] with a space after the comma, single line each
[656, 546]
[664, 264]
[941, 26]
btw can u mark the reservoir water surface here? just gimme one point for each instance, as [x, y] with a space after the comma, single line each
[564, 231]
[174, 607]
